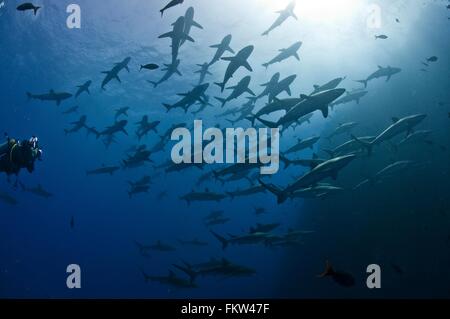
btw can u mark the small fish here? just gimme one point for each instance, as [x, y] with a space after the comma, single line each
[150, 67]
[381, 36]
[397, 20]
[72, 223]
[432, 59]
[171, 4]
[28, 6]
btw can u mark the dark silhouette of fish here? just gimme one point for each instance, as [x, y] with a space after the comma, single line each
[150, 67]
[341, 278]
[171, 4]
[28, 6]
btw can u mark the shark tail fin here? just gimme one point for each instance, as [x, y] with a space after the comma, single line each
[274, 190]
[221, 85]
[366, 145]
[363, 82]
[188, 271]
[286, 161]
[221, 100]
[251, 118]
[155, 84]
[223, 240]
[266, 122]
[265, 33]
[329, 271]
[144, 274]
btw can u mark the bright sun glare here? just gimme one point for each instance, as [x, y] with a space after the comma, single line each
[324, 11]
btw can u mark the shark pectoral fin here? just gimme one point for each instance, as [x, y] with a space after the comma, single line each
[325, 111]
[296, 56]
[196, 24]
[388, 78]
[250, 92]
[247, 66]
[166, 35]
[230, 50]
[117, 78]
[187, 37]
[288, 91]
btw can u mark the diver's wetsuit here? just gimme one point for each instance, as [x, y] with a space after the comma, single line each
[16, 155]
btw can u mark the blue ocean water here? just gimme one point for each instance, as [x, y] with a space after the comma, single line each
[401, 224]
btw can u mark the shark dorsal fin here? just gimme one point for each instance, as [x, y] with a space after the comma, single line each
[316, 86]
[315, 156]
[171, 274]
[380, 67]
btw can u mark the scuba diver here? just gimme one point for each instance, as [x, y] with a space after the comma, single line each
[15, 155]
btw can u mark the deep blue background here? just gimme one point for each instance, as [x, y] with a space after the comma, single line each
[394, 223]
